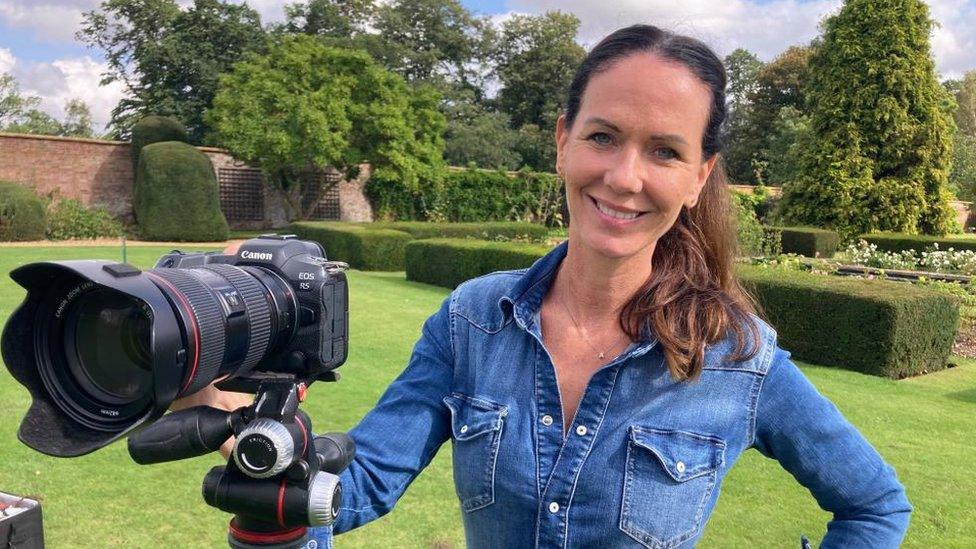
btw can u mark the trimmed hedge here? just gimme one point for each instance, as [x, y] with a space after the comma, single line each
[155, 129]
[883, 328]
[808, 241]
[358, 245]
[897, 242]
[23, 214]
[450, 261]
[175, 196]
[877, 327]
[380, 246]
[486, 231]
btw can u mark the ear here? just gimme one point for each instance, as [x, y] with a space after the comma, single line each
[703, 173]
[562, 137]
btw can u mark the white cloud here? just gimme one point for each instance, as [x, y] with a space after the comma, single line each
[7, 60]
[58, 81]
[53, 20]
[765, 29]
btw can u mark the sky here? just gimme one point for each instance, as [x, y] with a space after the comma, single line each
[38, 45]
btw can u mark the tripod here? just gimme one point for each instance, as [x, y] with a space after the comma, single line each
[279, 479]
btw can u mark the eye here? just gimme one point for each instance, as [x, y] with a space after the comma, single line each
[600, 138]
[666, 153]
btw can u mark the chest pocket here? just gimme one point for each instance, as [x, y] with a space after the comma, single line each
[668, 479]
[476, 426]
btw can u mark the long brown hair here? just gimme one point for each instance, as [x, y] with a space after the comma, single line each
[692, 297]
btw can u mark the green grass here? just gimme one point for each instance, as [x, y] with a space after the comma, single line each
[925, 427]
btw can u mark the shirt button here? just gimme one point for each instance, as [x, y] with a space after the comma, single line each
[681, 466]
[464, 429]
[581, 430]
[554, 507]
[547, 420]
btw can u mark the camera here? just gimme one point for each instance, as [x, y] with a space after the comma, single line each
[104, 348]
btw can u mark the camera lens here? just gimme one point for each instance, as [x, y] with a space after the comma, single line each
[107, 346]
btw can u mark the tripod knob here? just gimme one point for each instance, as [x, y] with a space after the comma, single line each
[264, 448]
[324, 498]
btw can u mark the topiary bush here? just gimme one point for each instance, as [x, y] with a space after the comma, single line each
[808, 241]
[155, 129]
[70, 219]
[882, 328]
[23, 214]
[450, 261]
[175, 196]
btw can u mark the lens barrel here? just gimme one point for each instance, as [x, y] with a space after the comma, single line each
[104, 347]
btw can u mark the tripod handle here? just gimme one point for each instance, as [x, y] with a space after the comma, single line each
[188, 433]
[335, 450]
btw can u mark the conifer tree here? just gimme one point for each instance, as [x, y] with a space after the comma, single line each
[881, 148]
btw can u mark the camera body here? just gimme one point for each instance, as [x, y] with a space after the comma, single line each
[317, 343]
[104, 347]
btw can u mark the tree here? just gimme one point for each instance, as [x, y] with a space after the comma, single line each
[478, 136]
[963, 175]
[306, 106]
[13, 104]
[430, 41]
[742, 145]
[339, 19]
[965, 113]
[535, 59]
[77, 119]
[880, 153]
[19, 113]
[169, 59]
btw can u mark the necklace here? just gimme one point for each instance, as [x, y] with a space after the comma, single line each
[600, 354]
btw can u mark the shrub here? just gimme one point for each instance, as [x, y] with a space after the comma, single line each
[175, 196]
[360, 246]
[897, 242]
[883, 328]
[22, 213]
[450, 261]
[155, 129]
[69, 219]
[808, 241]
[748, 229]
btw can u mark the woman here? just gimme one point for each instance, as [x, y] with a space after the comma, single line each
[600, 397]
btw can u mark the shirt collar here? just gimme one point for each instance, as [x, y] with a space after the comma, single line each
[524, 299]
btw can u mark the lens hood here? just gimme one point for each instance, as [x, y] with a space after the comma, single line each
[53, 425]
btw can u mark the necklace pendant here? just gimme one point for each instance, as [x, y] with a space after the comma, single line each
[601, 355]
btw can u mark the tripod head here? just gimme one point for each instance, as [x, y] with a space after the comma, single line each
[279, 479]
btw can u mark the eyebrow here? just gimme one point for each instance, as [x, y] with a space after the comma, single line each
[674, 138]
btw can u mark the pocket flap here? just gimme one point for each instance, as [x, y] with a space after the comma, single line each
[683, 454]
[471, 417]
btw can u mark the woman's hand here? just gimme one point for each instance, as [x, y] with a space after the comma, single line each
[214, 397]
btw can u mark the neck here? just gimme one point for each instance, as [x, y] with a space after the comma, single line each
[597, 287]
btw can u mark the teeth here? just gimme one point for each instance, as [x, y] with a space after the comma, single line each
[615, 213]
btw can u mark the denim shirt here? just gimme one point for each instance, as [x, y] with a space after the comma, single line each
[643, 461]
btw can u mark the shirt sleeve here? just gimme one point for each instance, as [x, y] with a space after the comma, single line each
[807, 434]
[401, 434]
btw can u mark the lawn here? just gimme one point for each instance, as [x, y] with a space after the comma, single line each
[924, 427]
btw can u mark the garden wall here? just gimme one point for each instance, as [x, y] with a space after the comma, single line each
[99, 172]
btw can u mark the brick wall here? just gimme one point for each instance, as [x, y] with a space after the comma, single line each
[100, 172]
[93, 171]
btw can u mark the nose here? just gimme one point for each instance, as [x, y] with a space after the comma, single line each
[624, 176]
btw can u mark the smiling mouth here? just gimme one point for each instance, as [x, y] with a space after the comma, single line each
[616, 214]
